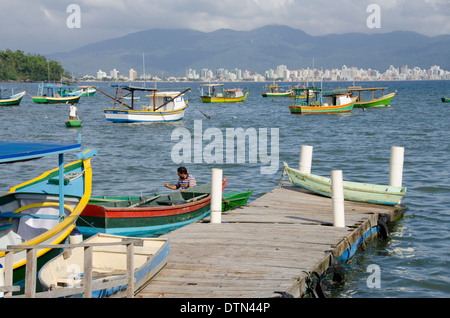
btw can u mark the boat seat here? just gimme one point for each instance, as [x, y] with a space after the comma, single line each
[170, 202]
[29, 215]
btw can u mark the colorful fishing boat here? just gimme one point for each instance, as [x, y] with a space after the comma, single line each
[145, 216]
[109, 264]
[275, 90]
[216, 93]
[445, 100]
[331, 102]
[353, 191]
[163, 106]
[371, 101]
[56, 94]
[13, 99]
[42, 211]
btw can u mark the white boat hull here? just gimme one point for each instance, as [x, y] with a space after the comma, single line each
[123, 115]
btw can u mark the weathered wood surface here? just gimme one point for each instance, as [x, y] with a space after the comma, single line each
[265, 247]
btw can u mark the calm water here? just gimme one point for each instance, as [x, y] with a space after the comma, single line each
[136, 158]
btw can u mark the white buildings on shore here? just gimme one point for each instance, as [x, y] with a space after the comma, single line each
[282, 73]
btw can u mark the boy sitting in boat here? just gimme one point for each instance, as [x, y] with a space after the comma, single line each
[185, 181]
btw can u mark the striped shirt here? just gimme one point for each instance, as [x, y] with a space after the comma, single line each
[189, 182]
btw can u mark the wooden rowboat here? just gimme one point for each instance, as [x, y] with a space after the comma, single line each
[42, 211]
[151, 216]
[353, 191]
[109, 265]
[73, 123]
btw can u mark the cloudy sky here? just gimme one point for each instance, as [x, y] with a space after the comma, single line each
[49, 26]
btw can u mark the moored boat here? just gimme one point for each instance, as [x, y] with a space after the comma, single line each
[353, 191]
[13, 99]
[42, 211]
[145, 216]
[87, 91]
[56, 94]
[372, 101]
[163, 106]
[274, 90]
[216, 93]
[336, 101]
[109, 264]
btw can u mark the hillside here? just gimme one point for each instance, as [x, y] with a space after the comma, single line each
[174, 51]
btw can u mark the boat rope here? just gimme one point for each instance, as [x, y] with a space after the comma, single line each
[336, 269]
[97, 229]
[314, 286]
[73, 175]
[382, 226]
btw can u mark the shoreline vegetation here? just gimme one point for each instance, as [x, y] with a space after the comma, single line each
[18, 67]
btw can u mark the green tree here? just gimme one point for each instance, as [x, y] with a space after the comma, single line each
[16, 66]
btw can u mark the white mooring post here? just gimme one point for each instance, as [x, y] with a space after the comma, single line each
[304, 164]
[216, 196]
[396, 167]
[337, 197]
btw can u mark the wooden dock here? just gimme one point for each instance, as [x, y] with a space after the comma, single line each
[275, 244]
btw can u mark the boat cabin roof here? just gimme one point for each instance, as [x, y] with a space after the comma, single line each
[57, 86]
[359, 88]
[164, 94]
[134, 88]
[13, 151]
[210, 85]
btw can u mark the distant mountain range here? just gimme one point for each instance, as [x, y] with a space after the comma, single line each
[172, 52]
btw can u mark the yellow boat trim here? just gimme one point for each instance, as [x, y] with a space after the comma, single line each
[38, 204]
[67, 224]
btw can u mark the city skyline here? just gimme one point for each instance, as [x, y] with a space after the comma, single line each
[282, 73]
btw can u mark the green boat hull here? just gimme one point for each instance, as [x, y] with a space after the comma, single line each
[377, 102]
[445, 100]
[287, 94]
[234, 199]
[73, 123]
[11, 102]
[55, 100]
[353, 191]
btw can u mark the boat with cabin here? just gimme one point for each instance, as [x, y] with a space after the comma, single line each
[43, 210]
[274, 90]
[329, 102]
[163, 106]
[56, 94]
[216, 93]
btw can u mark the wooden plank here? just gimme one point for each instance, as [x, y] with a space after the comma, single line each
[268, 246]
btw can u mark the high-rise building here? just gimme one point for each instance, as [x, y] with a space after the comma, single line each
[101, 74]
[133, 75]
